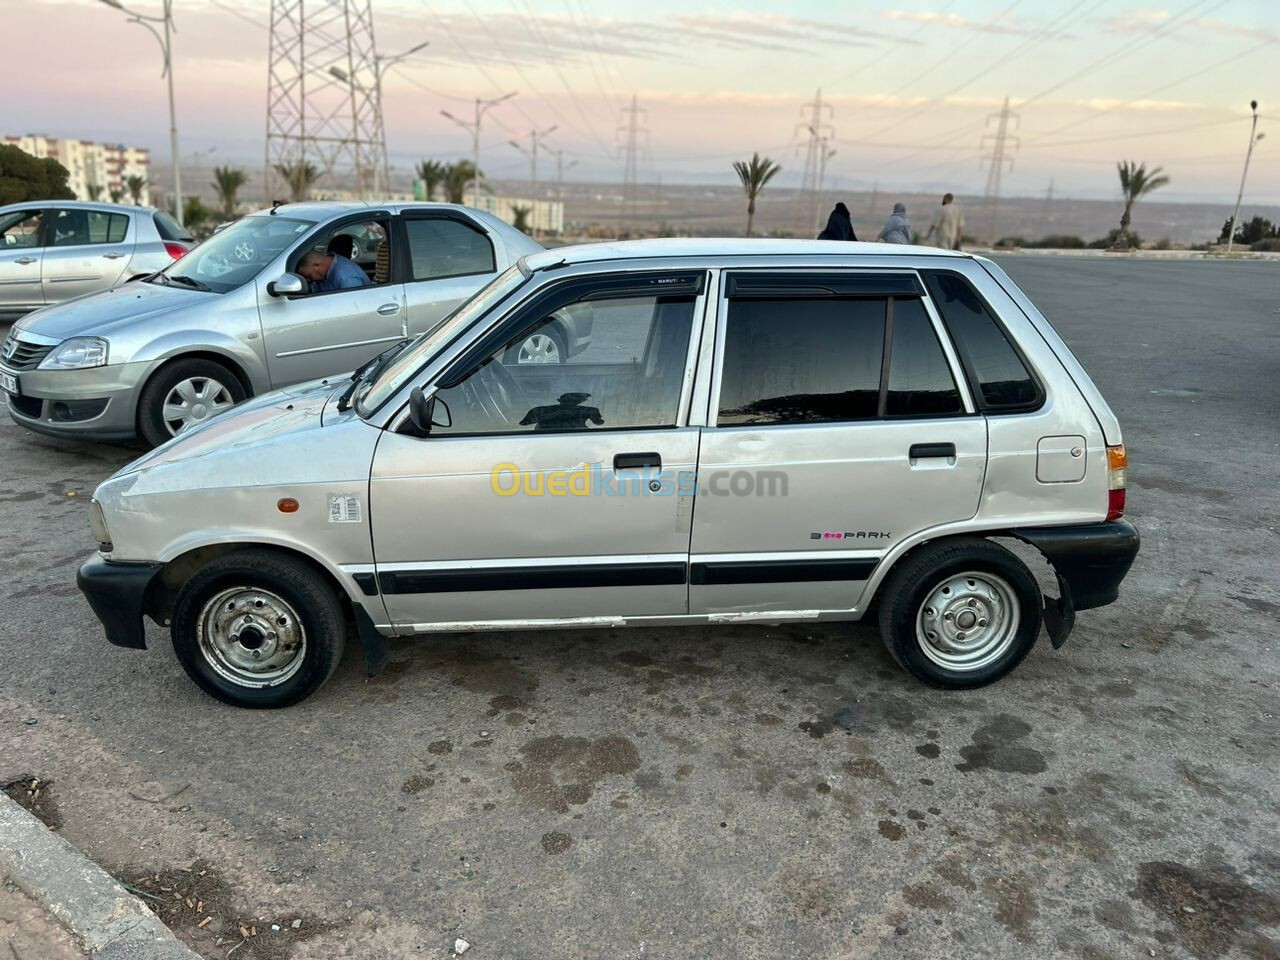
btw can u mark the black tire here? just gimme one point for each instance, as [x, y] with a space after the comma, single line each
[151, 423]
[924, 573]
[304, 591]
[551, 331]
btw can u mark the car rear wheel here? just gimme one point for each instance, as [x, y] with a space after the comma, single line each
[258, 629]
[960, 613]
[184, 394]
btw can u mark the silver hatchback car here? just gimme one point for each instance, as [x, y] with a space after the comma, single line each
[233, 318]
[760, 431]
[53, 250]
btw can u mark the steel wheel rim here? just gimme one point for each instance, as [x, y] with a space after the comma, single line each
[252, 637]
[968, 620]
[539, 348]
[194, 400]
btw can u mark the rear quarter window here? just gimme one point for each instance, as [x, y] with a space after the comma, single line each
[998, 376]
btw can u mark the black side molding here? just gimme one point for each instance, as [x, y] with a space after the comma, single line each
[115, 591]
[779, 571]
[532, 578]
[1090, 558]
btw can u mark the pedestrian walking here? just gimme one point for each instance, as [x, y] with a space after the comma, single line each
[897, 229]
[948, 224]
[839, 225]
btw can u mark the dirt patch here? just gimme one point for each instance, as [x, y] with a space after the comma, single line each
[768, 719]
[891, 829]
[994, 748]
[506, 701]
[32, 794]
[470, 669]
[925, 896]
[1015, 906]
[930, 751]
[200, 907]
[558, 771]
[634, 658]
[1211, 908]
[440, 747]
[554, 842]
[416, 784]
[864, 769]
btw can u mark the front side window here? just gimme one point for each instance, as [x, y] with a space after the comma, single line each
[21, 229]
[624, 365]
[346, 257]
[73, 228]
[236, 255]
[999, 379]
[440, 247]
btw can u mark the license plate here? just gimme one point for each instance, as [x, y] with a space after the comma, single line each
[9, 382]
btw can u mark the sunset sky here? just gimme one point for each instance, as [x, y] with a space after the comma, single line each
[911, 84]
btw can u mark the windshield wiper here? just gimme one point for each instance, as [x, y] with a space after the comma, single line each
[188, 281]
[370, 370]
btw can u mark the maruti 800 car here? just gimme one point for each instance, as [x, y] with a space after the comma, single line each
[760, 431]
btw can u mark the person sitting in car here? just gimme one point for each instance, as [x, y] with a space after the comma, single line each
[331, 271]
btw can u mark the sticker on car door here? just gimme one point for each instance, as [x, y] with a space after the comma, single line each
[344, 508]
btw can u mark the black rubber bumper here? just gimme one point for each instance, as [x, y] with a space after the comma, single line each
[115, 590]
[1090, 558]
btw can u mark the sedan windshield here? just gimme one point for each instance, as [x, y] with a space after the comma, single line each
[374, 393]
[235, 255]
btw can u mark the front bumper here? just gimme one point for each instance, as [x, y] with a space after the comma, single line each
[116, 591]
[100, 402]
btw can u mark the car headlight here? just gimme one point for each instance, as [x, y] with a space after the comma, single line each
[98, 526]
[77, 354]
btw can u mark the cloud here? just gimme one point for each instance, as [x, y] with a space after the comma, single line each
[1151, 21]
[956, 22]
[1138, 106]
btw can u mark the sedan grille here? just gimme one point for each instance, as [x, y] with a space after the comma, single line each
[19, 355]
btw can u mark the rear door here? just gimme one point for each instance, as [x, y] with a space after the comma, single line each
[448, 258]
[88, 251]
[22, 240]
[838, 429]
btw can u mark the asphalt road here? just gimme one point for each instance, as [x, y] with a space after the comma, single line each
[732, 791]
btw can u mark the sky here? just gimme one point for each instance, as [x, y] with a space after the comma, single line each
[908, 87]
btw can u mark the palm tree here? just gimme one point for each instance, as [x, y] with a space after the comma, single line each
[432, 174]
[227, 182]
[136, 185]
[299, 175]
[754, 175]
[115, 195]
[456, 178]
[520, 217]
[1135, 183]
[95, 190]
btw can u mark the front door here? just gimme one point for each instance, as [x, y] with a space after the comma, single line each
[21, 252]
[88, 251]
[840, 431]
[332, 332]
[558, 491]
[449, 260]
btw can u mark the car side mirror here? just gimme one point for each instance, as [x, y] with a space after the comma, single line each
[287, 285]
[425, 414]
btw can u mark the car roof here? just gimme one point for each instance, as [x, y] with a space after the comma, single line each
[681, 247]
[324, 209]
[81, 205]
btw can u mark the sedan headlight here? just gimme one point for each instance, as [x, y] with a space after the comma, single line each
[98, 526]
[77, 354]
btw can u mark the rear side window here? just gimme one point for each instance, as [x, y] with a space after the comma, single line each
[169, 228]
[1000, 381]
[920, 381]
[439, 247]
[76, 227]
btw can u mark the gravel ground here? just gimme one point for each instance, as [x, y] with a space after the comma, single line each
[732, 791]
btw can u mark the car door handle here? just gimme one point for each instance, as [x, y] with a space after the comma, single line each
[919, 451]
[113, 255]
[387, 309]
[25, 260]
[636, 461]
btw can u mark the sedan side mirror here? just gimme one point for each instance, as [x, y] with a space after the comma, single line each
[287, 285]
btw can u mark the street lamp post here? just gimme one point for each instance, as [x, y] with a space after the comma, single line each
[482, 107]
[1254, 137]
[381, 64]
[166, 49]
[532, 153]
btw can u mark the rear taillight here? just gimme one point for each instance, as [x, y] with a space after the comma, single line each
[175, 250]
[1117, 464]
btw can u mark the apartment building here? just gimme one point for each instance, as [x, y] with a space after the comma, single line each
[94, 170]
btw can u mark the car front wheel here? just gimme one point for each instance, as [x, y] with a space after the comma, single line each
[183, 394]
[960, 613]
[258, 629]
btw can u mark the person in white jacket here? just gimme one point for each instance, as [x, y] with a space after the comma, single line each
[949, 224]
[897, 229]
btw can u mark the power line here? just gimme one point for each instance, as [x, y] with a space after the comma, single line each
[997, 159]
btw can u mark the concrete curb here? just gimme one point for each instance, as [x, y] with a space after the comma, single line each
[110, 922]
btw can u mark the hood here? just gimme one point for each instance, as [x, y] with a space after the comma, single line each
[99, 314]
[282, 413]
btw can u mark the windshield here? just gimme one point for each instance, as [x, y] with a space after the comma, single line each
[235, 255]
[373, 394]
